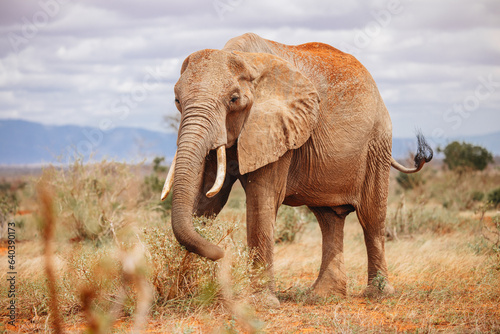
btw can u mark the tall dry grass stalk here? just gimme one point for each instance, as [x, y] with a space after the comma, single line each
[131, 277]
[46, 195]
[133, 274]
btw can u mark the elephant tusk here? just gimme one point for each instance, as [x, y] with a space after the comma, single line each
[170, 179]
[221, 172]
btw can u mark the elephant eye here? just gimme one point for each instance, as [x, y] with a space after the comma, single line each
[177, 101]
[234, 98]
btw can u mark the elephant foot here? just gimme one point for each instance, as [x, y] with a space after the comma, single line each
[324, 290]
[330, 283]
[266, 300]
[379, 290]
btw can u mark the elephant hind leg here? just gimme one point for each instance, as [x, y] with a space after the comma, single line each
[371, 213]
[332, 278]
[378, 281]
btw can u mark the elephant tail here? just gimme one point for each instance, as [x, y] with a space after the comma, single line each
[424, 154]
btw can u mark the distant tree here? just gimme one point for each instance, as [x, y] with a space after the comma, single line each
[465, 156]
[157, 167]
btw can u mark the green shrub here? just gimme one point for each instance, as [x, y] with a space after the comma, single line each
[477, 196]
[494, 197]
[464, 156]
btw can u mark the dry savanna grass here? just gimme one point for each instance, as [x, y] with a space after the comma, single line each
[114, 265]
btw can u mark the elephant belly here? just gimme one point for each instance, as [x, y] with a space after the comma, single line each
[325, 181]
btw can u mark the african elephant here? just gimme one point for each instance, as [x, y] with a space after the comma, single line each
[303, 125]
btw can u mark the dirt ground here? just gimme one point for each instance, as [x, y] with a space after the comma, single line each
[442, 286]
[442, 262]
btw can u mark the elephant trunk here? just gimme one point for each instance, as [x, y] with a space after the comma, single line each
[194, 145]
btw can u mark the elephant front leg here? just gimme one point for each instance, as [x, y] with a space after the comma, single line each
[264, 190]
[260, 238]
[261, 216]
[332, 278]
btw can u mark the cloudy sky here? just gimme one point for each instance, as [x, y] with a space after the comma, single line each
[95, 63]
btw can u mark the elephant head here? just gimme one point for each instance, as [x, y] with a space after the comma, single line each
[257, 101]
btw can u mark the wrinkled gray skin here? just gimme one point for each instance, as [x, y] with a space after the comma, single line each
[302, 125]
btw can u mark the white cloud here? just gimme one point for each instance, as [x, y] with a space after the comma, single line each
[425, 56]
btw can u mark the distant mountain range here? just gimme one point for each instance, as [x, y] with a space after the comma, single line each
[26, 143]
[29, 143]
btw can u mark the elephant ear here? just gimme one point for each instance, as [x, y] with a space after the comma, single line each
[283, 114]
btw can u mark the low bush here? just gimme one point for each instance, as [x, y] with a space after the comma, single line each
[409, 181]
[418, 219]
[95, 201]
[476, 196]
[183, 280]
[494, 197]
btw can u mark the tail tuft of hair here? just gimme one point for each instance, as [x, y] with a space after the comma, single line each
[424, 151]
